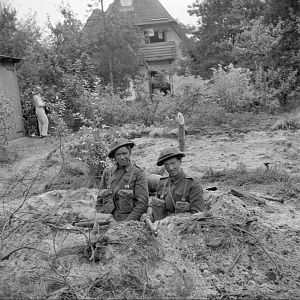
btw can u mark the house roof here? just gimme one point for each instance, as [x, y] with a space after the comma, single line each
[10, 59]
[145, 11]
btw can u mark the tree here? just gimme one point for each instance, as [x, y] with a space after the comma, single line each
[220, 23]
[113, 43]
[15, 36]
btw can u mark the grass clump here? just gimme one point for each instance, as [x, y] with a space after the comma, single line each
[242, 175]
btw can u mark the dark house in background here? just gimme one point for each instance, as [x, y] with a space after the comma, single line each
[161, 34]
[9, 90]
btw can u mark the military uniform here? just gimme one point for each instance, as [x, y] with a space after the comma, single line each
[181, 189]
[175, 194]
[131, 179]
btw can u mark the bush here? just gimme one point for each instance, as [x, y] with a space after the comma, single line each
[101, 106]
[233, 88]
[154, 110]
[191, 93]
[92, 149]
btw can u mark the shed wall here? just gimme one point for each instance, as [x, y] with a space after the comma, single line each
[9, 90]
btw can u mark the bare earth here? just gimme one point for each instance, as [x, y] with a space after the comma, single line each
[198, 261]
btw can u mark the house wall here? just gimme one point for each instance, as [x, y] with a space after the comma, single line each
[168, 66]
[171, 35]
[9, 89]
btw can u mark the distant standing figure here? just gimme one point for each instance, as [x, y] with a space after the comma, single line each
[42, 118]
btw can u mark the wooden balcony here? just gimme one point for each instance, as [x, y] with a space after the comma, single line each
[159, 51]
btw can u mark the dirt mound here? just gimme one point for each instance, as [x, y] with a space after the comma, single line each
[63, 206]
[229, 251]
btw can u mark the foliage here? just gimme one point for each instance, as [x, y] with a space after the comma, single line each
[99, 106]
[92, 149]
[249, 34]
[16, 36]
[254, 46]
[190, 93]
[220, 22]
[113, 43]
[233, 88]
[270, 85]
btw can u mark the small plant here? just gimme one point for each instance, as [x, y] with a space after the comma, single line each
[92, 149]
[233, 88]
[60, 127]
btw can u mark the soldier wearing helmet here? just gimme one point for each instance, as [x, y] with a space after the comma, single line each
[177, 192]
[123, 190]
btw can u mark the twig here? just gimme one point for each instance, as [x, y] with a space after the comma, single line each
[16, 250]
[262, 247]
[238, 255]
[64, 228]
[28, 190]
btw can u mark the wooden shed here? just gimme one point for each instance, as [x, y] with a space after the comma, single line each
[9, 92]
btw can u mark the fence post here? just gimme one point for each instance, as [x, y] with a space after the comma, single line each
[181, 131]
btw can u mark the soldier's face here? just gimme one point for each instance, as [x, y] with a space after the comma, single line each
[122, 156]
[173, 166]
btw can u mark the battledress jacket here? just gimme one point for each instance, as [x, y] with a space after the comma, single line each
[182, 188]
[119, 178]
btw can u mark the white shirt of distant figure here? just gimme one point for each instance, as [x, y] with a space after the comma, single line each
[42, 118]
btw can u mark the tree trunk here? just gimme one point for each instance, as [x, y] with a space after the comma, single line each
[111, 75]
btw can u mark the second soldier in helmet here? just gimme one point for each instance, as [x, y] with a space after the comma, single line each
[177, 192]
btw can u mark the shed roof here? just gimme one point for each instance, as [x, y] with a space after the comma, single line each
[9, 59]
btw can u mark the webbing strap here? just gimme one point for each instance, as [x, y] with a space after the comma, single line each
[164, 187]
[185, 191]
[130, 178]
[171, 196]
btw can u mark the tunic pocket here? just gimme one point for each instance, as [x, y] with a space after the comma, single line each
[105, 203]
[182, 207]
[158, 208]
[125, 201]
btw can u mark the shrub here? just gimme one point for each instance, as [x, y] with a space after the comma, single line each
[191, 93]
[92, 149]
[233, 88]
[154, 110]
[101, 106]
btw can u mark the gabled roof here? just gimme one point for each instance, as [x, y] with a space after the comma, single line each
[144, 11]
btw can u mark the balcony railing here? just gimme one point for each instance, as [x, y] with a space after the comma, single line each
[159, 51]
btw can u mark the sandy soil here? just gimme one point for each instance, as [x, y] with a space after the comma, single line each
[197, 257]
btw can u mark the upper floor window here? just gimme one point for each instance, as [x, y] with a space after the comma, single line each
[126, 5]
[126, 2]
[154, 36]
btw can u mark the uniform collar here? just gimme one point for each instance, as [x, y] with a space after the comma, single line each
[178, 177]
[127, 168]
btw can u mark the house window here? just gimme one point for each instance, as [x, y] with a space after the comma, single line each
[154, 36]
[126, 2]
[126, 5]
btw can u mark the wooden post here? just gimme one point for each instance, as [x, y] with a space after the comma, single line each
[181, 132]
